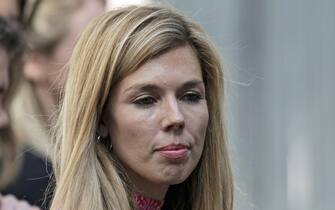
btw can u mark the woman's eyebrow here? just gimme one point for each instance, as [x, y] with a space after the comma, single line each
[143, 88]
[192, 83]
[148, 87]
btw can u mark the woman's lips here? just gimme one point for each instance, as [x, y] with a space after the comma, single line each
[174, 151]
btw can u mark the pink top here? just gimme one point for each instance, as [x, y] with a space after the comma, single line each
[144, 203]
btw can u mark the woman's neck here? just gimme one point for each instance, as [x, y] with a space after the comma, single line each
[150, 190]
[156, 191]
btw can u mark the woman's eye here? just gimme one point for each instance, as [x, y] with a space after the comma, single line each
[145, 101]
[192, 97]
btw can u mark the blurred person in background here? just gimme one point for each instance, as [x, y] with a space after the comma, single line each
[11, 48]
[50, 35]
[13, 167]
[51, 28]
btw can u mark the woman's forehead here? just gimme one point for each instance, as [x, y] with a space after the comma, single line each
[177, 65]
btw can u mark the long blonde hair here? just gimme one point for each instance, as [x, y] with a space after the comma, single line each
[113, 46]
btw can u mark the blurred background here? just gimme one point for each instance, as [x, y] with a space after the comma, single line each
[279, 57]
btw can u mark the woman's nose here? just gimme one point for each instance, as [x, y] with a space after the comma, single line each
[173, 118]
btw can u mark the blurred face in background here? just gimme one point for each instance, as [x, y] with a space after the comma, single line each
[4, 84]
[46, 70]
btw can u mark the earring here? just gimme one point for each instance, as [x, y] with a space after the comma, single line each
[101, 140]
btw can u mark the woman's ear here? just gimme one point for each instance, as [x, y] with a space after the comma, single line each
[102, 129]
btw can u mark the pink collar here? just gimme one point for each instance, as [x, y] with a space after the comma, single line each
[144, 203]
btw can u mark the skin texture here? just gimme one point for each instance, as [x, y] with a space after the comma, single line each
[161, 103]
[4, 83]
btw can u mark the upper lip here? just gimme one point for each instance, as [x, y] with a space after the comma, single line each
[171, 147]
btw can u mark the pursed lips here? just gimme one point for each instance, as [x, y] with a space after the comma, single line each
[174, 151]
[174, 147]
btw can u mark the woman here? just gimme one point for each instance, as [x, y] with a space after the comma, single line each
[140, 126]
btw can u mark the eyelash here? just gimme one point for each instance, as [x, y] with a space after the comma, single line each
[147, 100]
[192, 97]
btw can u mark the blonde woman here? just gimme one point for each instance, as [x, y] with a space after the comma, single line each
[141, 124]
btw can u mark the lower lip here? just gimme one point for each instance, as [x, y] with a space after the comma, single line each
[174, 154]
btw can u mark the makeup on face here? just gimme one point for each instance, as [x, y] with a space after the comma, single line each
[174, 151]
[157, 120]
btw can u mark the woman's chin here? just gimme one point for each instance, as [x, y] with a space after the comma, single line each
[172, 178]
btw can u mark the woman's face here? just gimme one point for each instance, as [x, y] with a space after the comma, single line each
[157, 119]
